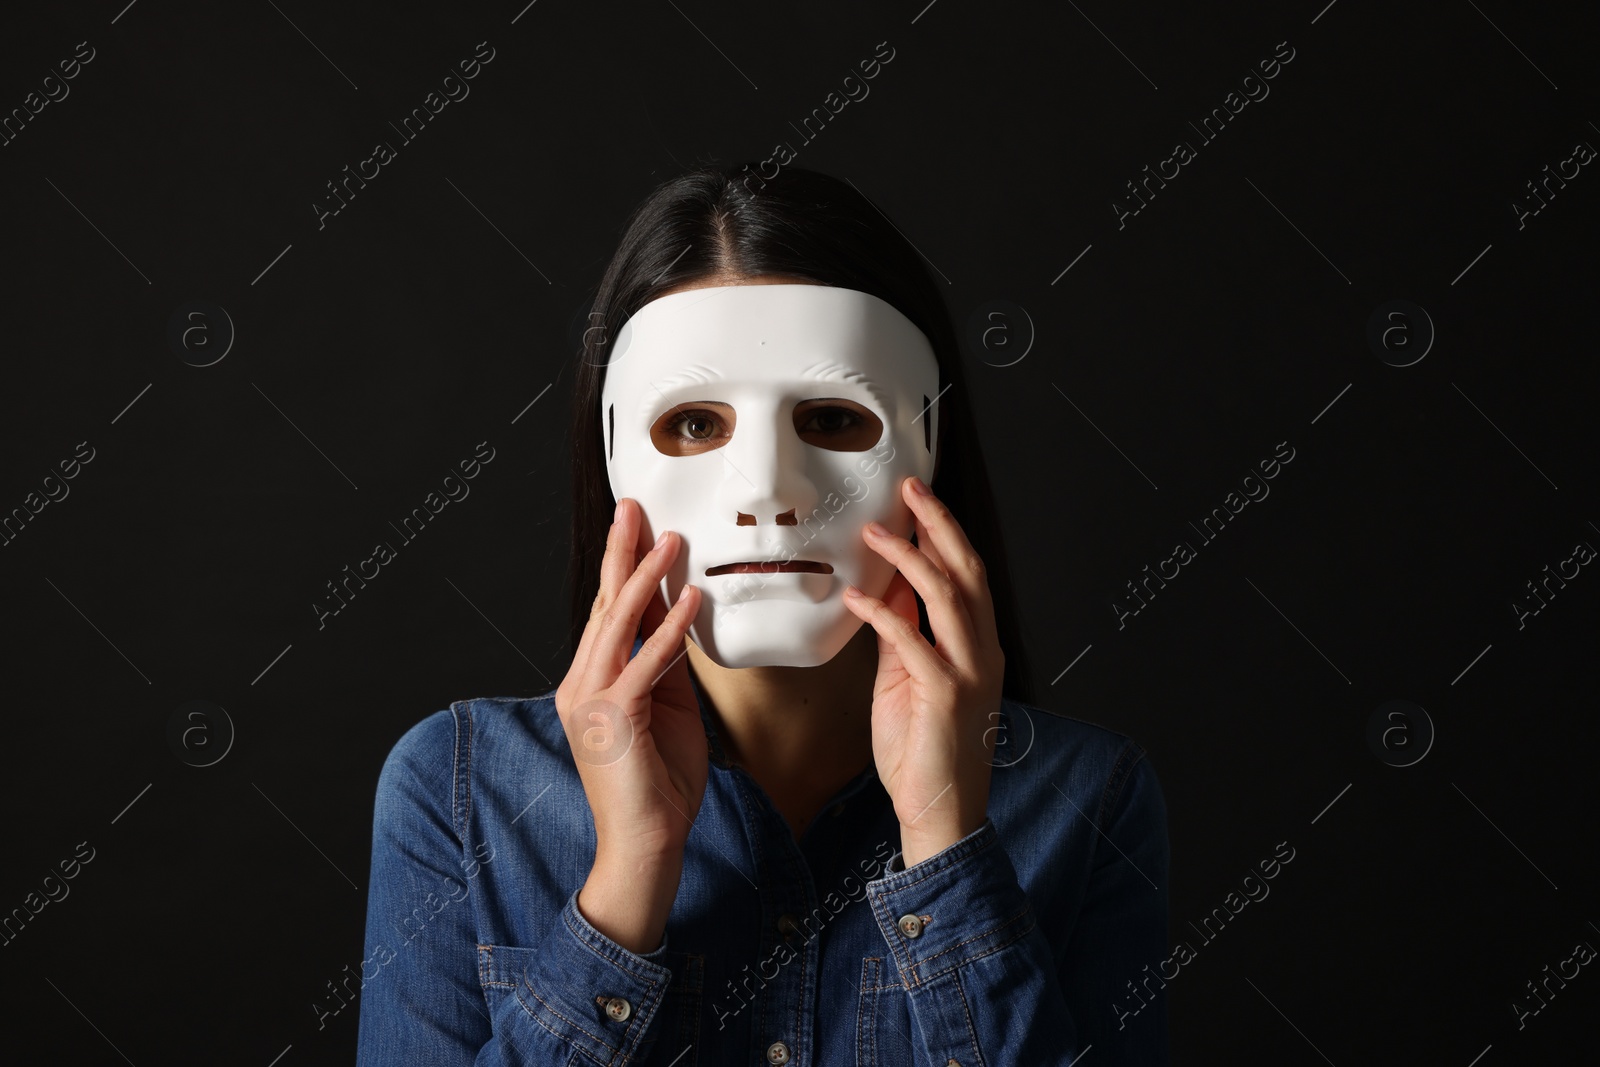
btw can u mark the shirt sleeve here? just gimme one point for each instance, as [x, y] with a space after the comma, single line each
[983, 982]
[423, 982]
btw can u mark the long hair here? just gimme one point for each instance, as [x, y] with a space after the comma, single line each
[709, 222]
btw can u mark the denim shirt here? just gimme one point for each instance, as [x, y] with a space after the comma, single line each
[1018, 945]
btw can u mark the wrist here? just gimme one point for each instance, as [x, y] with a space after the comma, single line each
[629, 900]
[924, 840]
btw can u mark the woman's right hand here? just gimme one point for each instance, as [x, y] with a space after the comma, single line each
[634, 724]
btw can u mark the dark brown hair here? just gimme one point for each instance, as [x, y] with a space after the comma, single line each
[709, 221]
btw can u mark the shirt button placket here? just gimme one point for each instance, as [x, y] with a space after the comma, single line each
[786, 888]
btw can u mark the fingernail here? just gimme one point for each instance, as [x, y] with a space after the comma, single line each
[919, 487]
[878, 529]
[852, 592]
[681, 594]
[616, 516]
[660, 540]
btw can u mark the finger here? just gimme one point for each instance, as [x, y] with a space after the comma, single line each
[925, 542]
[616, 627]
[902, 600]
[662, 648]
[617, 562]
[655, 609]
[902, 635]
[621, 552]
[952, 625]
[937, 529]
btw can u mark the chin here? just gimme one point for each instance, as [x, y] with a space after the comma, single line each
[775, 634]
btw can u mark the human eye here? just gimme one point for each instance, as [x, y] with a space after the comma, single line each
[698, 426]
[838, 425]
[831, 420]
[687, 430]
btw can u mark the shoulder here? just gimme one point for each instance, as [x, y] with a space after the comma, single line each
[495, 729]
[424, 742]
[453, 731]
[438, 758]
[1063, 786]
[418, 777]
[1082, 759]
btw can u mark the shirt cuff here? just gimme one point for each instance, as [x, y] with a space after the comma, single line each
[953, 907]
[592, 992]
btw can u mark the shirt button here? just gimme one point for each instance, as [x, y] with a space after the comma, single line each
[910, 925]
[618, 1009]
[838, 809]
[788, 927]
[777, 1052]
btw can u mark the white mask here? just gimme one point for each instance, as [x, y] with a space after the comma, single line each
[795, 482]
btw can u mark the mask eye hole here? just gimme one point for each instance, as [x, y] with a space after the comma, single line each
[690, 429]
[837, 425]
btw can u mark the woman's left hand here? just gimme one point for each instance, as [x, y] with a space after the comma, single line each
[933, 706]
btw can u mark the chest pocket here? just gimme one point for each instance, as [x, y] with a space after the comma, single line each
[676, 1029]
[883, 1019]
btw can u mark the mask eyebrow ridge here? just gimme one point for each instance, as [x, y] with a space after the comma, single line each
[838, 372]
[698, 374]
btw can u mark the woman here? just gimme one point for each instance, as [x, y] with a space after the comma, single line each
[786, 806]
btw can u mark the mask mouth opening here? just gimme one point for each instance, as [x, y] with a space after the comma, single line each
[793, 566]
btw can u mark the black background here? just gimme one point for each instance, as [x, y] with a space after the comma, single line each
[1178, 351]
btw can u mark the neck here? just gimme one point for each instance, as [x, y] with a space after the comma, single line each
[801, 732]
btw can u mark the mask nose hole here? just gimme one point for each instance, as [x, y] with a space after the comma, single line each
[785, 519]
